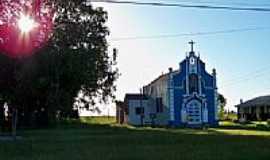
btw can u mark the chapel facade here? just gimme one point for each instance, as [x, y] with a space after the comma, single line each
[183, 97]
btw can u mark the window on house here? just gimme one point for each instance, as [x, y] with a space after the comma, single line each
[139, 110]
[159, 105]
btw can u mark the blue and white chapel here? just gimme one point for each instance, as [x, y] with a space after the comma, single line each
[184, 97]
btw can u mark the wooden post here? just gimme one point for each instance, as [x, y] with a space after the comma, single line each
[268, 109]
[141, 107]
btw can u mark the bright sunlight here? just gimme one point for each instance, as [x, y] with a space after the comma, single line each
[26, 24]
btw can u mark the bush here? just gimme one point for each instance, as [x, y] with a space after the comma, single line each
[205, 126]
[268, 122]
[245, 122]
[261, 127]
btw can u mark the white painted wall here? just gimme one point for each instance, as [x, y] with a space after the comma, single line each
[106, 110]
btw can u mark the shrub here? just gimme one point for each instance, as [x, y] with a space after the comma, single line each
[268, 122]
[205, 126]
[261, 127]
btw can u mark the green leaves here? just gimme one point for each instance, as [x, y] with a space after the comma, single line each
[75, 59]
[222, 103]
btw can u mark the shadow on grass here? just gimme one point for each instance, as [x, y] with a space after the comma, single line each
[113, 128]
[79, 130]
[73, 138]
[246, 127]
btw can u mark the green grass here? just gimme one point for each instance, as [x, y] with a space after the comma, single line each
[100, 139]
[98, 120]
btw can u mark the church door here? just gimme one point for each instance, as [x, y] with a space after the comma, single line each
[194, 112]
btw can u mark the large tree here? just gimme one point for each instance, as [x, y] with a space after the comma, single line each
[75, 59]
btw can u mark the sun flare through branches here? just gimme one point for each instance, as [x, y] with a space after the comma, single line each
[25, 26]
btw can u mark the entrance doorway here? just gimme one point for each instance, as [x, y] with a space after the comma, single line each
[194, 112]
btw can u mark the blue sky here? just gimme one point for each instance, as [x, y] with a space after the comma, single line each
[241, 59]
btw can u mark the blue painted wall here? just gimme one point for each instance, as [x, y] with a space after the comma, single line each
[207, 90]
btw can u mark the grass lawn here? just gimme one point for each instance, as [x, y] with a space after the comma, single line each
[100, 139]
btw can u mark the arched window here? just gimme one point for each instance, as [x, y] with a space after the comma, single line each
[193, 83]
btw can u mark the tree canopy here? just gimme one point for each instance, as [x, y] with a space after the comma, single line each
[75, 59]
[222, 103]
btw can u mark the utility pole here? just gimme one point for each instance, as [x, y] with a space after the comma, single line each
[108, 113]
[14, 122]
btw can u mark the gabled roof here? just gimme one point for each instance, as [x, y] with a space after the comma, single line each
[259, 101]
[161, 77]
[135, 96]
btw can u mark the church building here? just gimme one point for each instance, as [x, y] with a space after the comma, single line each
[184, 97]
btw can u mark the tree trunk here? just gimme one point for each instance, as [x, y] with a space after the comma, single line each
[2, 115]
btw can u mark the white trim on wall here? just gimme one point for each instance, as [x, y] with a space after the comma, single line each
[171, 97]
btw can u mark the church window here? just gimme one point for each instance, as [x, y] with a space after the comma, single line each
[139, 110]
[159, 105]
[184, 83]
[193, 83]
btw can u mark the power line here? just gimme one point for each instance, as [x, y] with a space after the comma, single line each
[161, 4]
[256, 72]
[245, 79]
[222, 3]
[190, 34]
